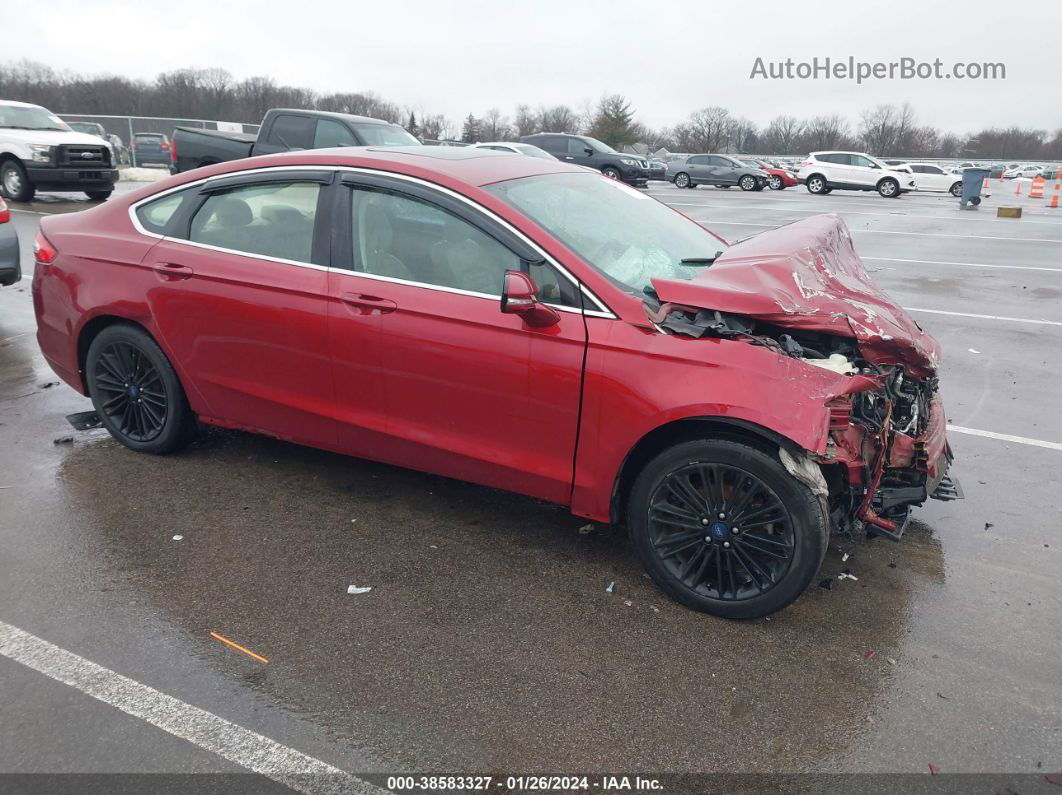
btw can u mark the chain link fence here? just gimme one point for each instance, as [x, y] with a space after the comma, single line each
[119, 130]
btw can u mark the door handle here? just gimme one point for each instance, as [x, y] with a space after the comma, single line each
[366, 304]
[172, 272]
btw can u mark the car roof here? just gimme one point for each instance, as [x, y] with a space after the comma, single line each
[328, 114]
[17, 104]
[470, 165]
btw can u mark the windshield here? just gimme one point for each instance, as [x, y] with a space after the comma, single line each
[17, 117]
[752, 163]
[534, 151]
[627, 235]
[593, 143]
[385, 135]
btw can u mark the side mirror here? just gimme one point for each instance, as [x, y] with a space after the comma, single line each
[589, 152]
[519, 298]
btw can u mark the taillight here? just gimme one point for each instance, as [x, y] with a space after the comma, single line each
[173, 153]
[165, 146]
[5, 214]
[43, 250]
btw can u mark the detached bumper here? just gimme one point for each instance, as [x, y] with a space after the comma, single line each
[72, 179]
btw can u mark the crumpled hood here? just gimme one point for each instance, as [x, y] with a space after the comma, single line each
[807, 275]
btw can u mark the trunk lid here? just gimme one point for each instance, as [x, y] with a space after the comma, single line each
[807, 275]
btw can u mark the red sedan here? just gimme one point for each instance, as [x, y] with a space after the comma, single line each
[519, 323]
[778, 178]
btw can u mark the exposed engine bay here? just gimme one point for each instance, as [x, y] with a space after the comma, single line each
[886, 449]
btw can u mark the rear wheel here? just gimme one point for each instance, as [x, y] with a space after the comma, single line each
[682, 180]
[816, 184]
[889, 188]
[14, 184]
[136, 393]
[99, 195]
[723, 528]
[956, 190]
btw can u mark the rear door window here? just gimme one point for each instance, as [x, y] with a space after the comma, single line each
[274, 220]
[292, 132]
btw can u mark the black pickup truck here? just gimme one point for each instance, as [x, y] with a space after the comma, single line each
[283, 130]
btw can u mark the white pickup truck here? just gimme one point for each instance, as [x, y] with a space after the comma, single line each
[38, 151]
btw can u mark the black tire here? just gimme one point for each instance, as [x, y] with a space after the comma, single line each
[889, 188]
[14, 184]
[682, 180]
[775, 182]
[816, 184]
[748, 182]
[124, 364]
[956, 190]
[99, 195]
[725, 560]
[611, 172]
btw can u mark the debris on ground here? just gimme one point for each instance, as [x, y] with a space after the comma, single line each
[988, 525]
[84, 420]
[628, 602]
[868, 654]
[891, 660]
[933, 769]
[238, 647]
[178, 537]
[847, 575]
[610, 587]
[586, 529]
[357, 589]
[844, 557]
[63, 440]
[941, 695]
[971, 350]
[827, 584]
[892, 565]
[49, 384]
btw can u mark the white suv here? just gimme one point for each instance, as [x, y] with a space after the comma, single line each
[824, 171]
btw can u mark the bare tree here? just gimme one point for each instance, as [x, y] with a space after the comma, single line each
[559, 118]
[782, 134]
[494, 126]
[825, 132]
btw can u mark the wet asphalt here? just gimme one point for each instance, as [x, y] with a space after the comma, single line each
[488, 641]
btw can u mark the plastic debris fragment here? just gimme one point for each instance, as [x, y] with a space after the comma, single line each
[357, 589]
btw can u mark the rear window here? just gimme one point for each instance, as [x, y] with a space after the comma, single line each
[385, 135]
[292, 132]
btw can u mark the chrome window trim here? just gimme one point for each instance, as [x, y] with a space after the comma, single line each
[602, 309]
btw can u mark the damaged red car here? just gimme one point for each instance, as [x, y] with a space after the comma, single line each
[519, 323]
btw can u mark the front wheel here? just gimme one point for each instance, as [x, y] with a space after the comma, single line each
[610, 172]
[682, 180]
[889, 188]
[956, 190]
[775, 182]
[747, 182]
[136, 393]
[14, 184]
[99, 195]
[723, 528]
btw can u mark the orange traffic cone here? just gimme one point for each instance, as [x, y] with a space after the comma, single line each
[1037, 190]
[1017, 186]
[984, 187]
[1054, 198]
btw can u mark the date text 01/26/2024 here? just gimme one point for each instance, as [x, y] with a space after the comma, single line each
[523, 783]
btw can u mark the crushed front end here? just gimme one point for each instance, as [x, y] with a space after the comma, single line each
[803, 292]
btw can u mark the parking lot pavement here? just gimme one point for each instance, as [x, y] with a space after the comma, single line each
[489, 641]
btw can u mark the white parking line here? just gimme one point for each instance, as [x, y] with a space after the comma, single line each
[715, 222]
[716, 206]
[199, 727]
[967, 264]
[985, 317]
[1006, 437]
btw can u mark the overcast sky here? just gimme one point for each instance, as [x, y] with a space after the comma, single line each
[667, 58]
